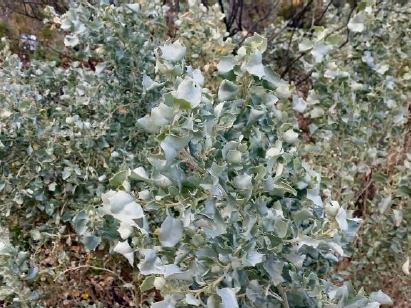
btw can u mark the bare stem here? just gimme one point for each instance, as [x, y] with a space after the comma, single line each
[283, 296]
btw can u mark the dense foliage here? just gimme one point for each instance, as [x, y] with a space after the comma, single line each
[357, 122]
[226, 205]
[219, 182]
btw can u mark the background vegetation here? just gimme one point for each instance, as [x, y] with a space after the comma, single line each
[162, 153]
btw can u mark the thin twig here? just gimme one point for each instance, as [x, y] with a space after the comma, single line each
[291, 64]
[363, 191]
[305, 78]
[317, 21]
[304, 53]
[345, 25]
[240, 17]
[220, 3]
[299, 14]
[346, 40]
[90, 267]
[233, 14]
[21, 13]
[251, 31]
[290, 40]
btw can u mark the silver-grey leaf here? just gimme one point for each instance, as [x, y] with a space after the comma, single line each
[227, 91]
[228, 297]
[174, 52]
[171, 231]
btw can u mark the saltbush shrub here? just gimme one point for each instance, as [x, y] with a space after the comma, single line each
[224, 212]
[196, 177]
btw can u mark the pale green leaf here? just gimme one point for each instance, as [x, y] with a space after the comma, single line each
[149, 84]
[256, 42]
[91, 242]
[174, 52]
[151, 264]
[147, 284]
[226, 65]
[171, 232]
[341, 219]
[227, 91]
[125, 249]
[189, 91]
[406, 267]
[274, 268]
[290, 136]
[228, 297]
[320, 51]
[71, 41]
[381, 298]
[254, 65]
[305, 45]
[135, 7]
[356, 23]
